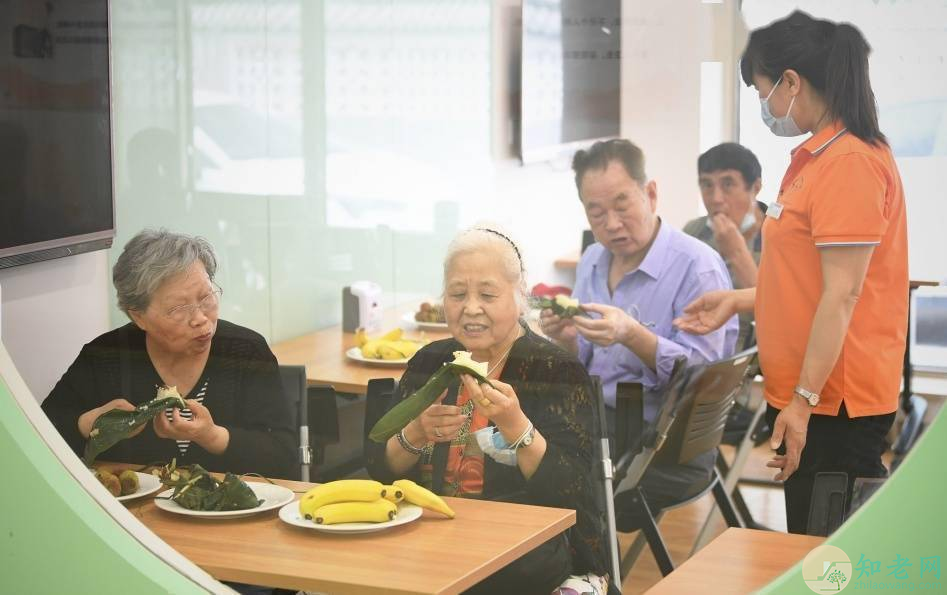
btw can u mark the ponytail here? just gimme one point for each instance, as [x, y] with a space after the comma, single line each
[848, 93]
[832, 57]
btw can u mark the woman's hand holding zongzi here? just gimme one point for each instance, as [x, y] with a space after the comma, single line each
[200, 429]
[87, 419]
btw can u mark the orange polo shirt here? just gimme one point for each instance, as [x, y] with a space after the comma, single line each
[838, 191]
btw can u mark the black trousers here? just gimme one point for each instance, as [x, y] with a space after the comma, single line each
[853, 445]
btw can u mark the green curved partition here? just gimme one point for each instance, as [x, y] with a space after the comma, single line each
[896, 540]
[55, 537]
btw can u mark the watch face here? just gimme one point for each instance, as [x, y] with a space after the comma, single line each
[527, 440]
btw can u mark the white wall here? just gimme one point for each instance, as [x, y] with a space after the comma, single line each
[48, 310]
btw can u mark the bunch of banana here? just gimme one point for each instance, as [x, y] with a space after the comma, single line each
[389, 346]
[350, 501]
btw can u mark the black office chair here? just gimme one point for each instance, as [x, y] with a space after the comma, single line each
[313, 413]
[378, 399]
[689, 423]
[588, 238]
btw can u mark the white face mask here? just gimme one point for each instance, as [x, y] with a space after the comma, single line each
[784, 126]
[749, 220]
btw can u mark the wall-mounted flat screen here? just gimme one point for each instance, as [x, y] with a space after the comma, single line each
[55, 130]
[571, 75]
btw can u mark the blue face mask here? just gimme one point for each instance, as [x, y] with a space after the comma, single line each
[784, 126]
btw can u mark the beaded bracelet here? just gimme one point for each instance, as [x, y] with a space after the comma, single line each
[403, 441]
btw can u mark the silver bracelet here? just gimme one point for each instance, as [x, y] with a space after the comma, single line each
[516, 444]
[403, 441]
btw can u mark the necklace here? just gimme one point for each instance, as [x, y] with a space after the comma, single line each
[502, 358]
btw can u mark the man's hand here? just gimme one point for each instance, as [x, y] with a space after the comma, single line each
[559, 330]
[708, 312]
[614, 326]
[791, 427]
[730, 242]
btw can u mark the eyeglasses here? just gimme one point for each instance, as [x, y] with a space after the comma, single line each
[208, 305]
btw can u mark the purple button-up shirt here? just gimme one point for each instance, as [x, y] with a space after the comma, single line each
[677, 270]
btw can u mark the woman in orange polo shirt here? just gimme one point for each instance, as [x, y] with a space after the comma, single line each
[831, 299]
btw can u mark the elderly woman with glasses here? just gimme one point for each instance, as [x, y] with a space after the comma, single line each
[236, 417]
[528, 438]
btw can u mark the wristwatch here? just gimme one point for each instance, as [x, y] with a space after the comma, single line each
[810, 397]
[527, 438]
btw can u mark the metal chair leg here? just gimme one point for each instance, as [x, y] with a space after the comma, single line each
[658, 547]
[731, 477]
[725, 503]
[631, 556]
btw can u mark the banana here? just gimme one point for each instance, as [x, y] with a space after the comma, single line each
[387, 351]
[389, 346]
[407, 348]
[370, 349]
[394, 335]
[423, 497]
[379, 511]
[343, 490]
[392, 494]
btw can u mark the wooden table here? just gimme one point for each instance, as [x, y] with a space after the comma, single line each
[323, 354]
[430, 555]
[568, 261]
[738, 561]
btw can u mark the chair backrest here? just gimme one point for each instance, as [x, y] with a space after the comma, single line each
[587, 239]
[631, 433]
[313, 414]
[604, 490]
[378, 399]
[701, 411]
[294, 390]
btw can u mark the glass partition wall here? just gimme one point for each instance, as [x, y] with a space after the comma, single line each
[313, 143]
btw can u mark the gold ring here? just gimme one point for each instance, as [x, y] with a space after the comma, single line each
[437, 432]
[485, 402]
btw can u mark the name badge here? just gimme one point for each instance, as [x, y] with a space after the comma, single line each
[774, 210]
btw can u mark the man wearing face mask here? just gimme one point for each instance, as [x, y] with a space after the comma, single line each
[729, 176]
[832, 288]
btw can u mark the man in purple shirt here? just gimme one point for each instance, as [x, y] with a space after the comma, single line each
[636, 278]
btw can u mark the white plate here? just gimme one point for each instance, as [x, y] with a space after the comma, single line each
[147, 484]
[273, 496]
[355, 353]
[408, 318]
[406, 513]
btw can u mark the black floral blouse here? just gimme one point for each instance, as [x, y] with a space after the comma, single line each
[555, 393]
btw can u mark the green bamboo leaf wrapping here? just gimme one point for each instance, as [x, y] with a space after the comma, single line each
[116, 425]
[550, 303]
[401, 414]
[200, 491]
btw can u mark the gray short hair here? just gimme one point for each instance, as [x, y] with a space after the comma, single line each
[150, 258]
[488, 235]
